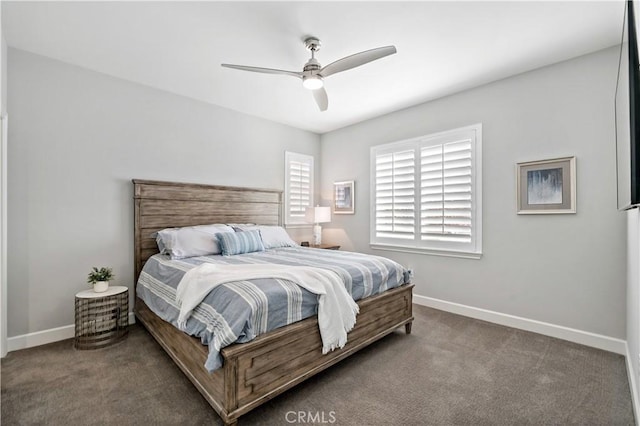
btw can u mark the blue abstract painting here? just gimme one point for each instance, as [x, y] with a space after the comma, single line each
[544, 186]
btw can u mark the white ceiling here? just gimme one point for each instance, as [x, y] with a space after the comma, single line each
[443, 47]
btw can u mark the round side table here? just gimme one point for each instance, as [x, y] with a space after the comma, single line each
[101, 318]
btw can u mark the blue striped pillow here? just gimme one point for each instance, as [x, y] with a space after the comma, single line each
[240, 242]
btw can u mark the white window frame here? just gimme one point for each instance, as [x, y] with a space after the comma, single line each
[291, 157]
[472, 249]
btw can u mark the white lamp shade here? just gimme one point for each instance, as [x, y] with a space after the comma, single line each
[318, 214]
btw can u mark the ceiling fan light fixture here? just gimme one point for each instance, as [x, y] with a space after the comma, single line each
[312, 82]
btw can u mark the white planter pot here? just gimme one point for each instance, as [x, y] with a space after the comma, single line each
[101, 286]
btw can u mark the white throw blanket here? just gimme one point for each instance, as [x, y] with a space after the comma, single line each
[336, 309]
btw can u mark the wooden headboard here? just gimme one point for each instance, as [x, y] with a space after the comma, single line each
[160, 205]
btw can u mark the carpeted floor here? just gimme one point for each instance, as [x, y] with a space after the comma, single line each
[451, 370]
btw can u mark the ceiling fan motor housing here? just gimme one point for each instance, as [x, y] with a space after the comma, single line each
[311, 65]
[310, 77]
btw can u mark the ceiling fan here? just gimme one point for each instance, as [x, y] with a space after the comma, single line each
[313, 74]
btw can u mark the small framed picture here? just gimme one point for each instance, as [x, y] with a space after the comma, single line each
[546, 186]
[343, 197]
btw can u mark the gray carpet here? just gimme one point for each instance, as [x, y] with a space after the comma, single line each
[451, 370]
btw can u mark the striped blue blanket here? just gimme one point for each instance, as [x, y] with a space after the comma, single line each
[238, 312]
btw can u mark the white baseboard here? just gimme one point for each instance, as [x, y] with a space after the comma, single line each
[586, 338]
[577, 336]
[38, 338]
[633, 382]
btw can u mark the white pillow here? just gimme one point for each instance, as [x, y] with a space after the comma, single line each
[191, 241]
[275, 236]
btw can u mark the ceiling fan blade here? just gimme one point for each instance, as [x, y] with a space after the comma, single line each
[356, 60]
[264, 70]
[320, 95]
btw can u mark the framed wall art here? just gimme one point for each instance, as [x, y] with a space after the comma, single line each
[344, 197]
[546, 186]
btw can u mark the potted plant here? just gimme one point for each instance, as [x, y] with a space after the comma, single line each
[100, 278]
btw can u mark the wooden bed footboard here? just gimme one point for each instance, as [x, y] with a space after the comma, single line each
[256, 371]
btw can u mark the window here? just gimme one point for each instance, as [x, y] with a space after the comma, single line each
[298, 187]
[427, 194]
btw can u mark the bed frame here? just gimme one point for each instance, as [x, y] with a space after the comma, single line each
[256, 371]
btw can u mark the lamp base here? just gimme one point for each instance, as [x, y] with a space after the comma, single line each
[317, 235]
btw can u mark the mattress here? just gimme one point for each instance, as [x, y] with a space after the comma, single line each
[237, 312]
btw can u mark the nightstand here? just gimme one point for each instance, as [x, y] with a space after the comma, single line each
[101, 318]
[327, 246]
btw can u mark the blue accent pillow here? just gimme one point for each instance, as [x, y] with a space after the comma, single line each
[240, 242]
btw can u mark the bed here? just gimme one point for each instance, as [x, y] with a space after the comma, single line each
[253, 372]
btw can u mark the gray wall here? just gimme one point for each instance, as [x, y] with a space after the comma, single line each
[567, 270]
[3, 197]
[3, 74]
[76, 140]
[633, 299]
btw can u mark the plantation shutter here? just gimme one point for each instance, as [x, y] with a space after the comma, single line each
[395, 195]
[298, 186]
[445, 190]
[427, 194]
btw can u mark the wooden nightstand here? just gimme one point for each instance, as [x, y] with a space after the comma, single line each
[101, 318]
[327, 246]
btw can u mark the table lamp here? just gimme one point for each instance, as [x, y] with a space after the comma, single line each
[318, 215]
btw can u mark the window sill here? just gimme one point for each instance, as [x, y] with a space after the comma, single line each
[432, 252]
[298, 225]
